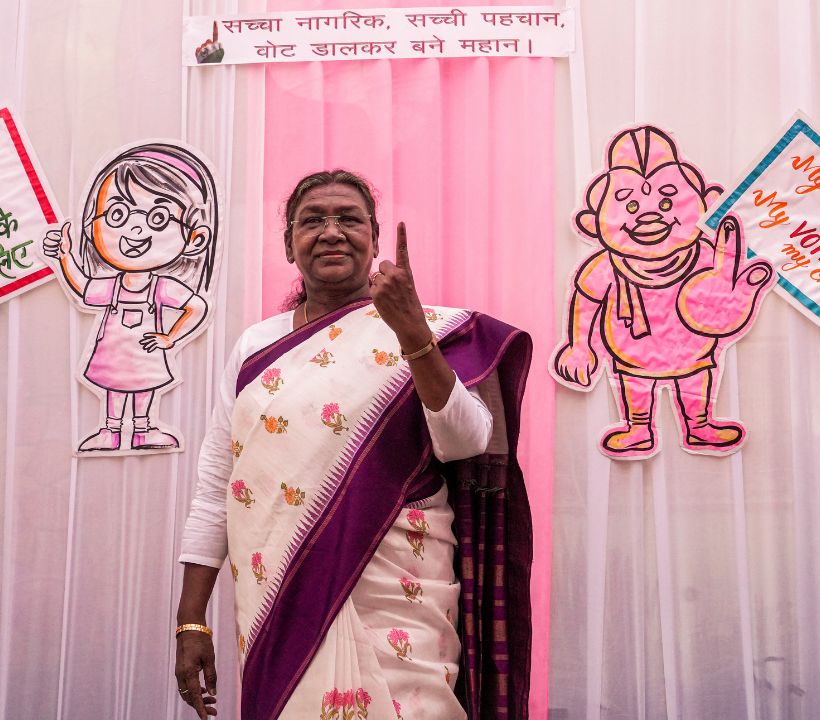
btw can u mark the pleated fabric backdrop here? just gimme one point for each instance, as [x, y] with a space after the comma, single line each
[688, 587]
[462, 151]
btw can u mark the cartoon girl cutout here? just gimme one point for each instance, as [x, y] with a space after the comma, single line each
[146, 255]
[657, 297]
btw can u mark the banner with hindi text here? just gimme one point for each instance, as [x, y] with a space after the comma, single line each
[386, 33]
[26, 208]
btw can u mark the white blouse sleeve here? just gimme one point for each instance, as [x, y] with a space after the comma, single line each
[463, 427]
[205, 538]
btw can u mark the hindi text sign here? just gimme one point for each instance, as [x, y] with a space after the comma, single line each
[385, 33]
[26, 208]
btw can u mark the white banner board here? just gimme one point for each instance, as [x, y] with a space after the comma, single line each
[27, 207]
[778, 200]
[379, 34]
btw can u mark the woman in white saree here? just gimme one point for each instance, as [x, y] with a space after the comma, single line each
[322, 479]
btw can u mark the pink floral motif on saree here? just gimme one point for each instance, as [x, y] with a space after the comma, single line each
[259, 570]
[323, 358]
[345, 705]
[242, 493]
[397, 708]
[333, 418]
[400, 641]
[416, 536]
[272, 379]
[412, 589]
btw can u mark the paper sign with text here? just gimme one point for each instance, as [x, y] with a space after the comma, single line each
[778, 201]
[26, 208]
[379, 34]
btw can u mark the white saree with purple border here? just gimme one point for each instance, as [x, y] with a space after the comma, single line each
[349, 604]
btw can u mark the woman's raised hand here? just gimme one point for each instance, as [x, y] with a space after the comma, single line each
[394, 296]
[57, 243]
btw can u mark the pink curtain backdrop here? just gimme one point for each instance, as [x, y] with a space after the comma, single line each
[462, 151]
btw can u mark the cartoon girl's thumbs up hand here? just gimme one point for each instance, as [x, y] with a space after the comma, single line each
[719, 301]
[57, 243]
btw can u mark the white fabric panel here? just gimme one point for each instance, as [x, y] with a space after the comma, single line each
[683, 587]
[686, 587]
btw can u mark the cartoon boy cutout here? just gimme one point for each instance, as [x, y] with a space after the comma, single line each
[147, 244]
[661, 299]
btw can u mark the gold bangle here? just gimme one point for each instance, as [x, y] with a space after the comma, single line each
[193, 626]
[421, 353]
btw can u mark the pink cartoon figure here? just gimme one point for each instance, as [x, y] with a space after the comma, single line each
[659, 298]
[144, 260]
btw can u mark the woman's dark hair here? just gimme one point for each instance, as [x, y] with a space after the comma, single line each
[319, 179]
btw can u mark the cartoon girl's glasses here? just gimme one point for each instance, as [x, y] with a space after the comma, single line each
[157, 218]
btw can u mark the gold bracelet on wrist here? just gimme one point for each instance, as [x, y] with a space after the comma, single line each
[421, 353]
[193, 626]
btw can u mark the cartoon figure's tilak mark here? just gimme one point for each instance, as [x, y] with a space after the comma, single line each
[662, 300]
[147, 242]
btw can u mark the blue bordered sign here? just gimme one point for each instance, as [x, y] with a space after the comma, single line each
[778, 201]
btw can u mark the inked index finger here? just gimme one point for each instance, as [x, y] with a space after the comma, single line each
[402, 256]
[727, 247]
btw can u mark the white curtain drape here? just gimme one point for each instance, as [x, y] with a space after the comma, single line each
[683, 587]
[689, 587]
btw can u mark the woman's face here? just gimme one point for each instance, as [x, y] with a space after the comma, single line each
[332, 256]
[138, 234]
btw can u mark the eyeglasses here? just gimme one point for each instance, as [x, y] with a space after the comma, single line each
[157, 218]
[317, 224]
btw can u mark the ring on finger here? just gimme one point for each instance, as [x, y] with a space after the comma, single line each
[184, 692]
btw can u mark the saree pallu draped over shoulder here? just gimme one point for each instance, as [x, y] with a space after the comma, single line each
[330, 444]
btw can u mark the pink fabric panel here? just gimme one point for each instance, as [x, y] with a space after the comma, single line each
[462, 151]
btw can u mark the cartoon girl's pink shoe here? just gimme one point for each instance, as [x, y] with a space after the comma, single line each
[105, 439]
[637, 439]
[153, 439]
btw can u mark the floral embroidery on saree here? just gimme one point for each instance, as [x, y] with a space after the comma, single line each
[259, 570]
[333, 418]
[272, 379]
[242, 493]
[387, 359]
[400, 642]
[416, 536]
[293, 495]
[236, 448]
[277, 425]
[345, 705]
[431, 314]
[334, 332]
[323, 358]
[412, 589]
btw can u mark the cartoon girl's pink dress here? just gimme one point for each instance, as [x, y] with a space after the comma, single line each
[118, 361]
